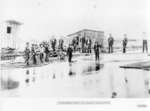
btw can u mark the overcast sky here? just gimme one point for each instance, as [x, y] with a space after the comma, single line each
[44, 18]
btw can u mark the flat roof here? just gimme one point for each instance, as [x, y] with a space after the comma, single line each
[13, 22]
[85, 30]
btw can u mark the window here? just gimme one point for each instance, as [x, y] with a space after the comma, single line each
[8, 30]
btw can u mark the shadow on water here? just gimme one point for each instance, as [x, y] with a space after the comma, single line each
[92, 68]
[9, 84]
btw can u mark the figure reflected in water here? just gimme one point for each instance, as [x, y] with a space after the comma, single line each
[27, 80]
[71, 73]
[97, 66]
[92, 68]
[54, 76]
[149, 86]
[27, 72]
[33, 79]
[126, 80]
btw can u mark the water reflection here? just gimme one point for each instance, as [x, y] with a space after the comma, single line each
[71, 73]
[137, 82]
[54, 76]
[27, 80]
[97, 67]
[27, 72]
[9, 84]
[126, 80]
[33, 79]
[109, 81]
[92, 68]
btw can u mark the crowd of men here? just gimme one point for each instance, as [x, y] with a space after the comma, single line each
[41, 53]
[125, 42]
[111, 43]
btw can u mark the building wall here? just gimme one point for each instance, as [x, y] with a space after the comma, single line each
[93, 35]
[9, 39]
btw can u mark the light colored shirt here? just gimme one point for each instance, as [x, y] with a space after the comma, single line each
[42, 49]
[144, 36]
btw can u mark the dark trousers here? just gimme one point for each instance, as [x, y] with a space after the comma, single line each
[34, 59]
[145, 47]
[96, 56]
[89, 50]
[69, 58]
[124, 49]
[27, 59]
[110, 49]
[47, 57]
[41, 57]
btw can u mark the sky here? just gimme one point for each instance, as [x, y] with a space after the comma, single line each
[43, 19]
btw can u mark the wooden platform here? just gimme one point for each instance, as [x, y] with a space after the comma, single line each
[23, 65]
[138, 65]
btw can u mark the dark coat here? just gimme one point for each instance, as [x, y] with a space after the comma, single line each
[69, 51]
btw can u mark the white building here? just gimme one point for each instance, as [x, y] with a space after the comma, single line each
[9, 34]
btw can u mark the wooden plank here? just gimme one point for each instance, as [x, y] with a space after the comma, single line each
[138, 65]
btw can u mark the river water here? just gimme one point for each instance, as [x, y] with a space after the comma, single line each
[82, 78]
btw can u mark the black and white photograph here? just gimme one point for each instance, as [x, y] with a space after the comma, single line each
[90, 49]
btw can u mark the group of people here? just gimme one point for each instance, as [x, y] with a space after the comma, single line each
[41, 53]
[124, 43]
[111, 42]
[34, 52]
[83, 44]
[42, 50]
[97, 46]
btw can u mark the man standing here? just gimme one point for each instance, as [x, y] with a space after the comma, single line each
[96, 50]
[33, 54]
[145, 46]
[42, 53]
[27, 54]
[110, 43]
[89, 45]
[47, 52]
[124, 43]
[83, 44]
[69, 53]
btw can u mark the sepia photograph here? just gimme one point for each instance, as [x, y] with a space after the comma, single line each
[75, 49]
